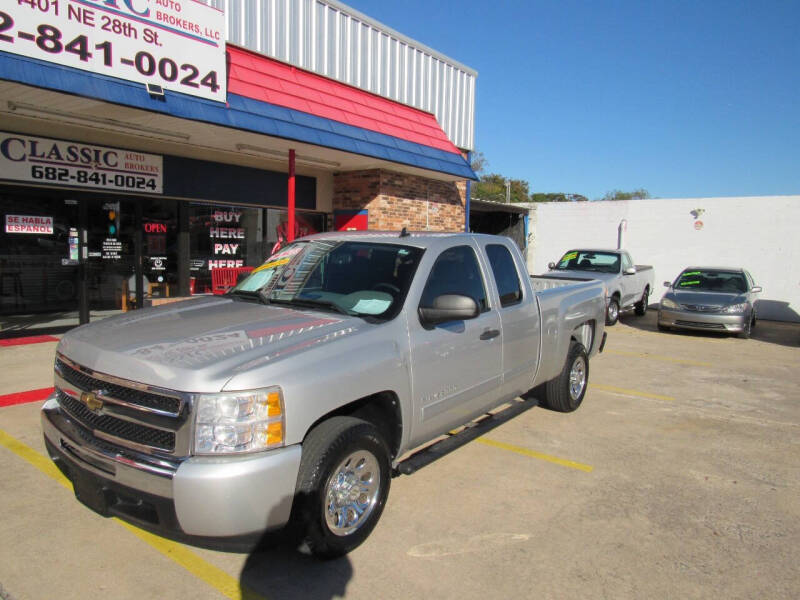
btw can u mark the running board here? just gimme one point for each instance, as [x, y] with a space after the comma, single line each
[472, 430]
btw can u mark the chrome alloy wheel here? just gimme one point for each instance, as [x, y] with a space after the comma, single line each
[613, 311]
[352, 492]
[577, 378]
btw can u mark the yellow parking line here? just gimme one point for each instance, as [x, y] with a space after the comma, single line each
[533, 454]
[670, 359]
[627, 392]
[45, 465]
[217, 578]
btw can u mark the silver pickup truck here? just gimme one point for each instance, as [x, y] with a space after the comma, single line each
[628, 286]
[294, 398]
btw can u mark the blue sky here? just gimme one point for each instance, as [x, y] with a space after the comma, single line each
[683, 98]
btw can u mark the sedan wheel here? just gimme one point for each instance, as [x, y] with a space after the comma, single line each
[748, 329]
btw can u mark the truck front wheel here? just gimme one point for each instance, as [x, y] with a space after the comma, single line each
[612, 311]
[565, 392]
[342, 485]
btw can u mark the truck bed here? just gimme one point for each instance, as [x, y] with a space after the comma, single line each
[566, 304]
[540, 283]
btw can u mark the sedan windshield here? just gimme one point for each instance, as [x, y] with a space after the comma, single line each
[708, 280]
[355, 278]
[583, 260]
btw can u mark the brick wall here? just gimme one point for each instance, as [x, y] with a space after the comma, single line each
[397, 200]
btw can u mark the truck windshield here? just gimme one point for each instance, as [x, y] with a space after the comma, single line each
[707, 280]
[357, 278]
[586, 260]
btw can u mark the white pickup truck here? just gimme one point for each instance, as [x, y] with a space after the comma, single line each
[298, 395]
[628, 286]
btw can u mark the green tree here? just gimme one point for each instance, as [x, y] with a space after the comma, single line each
[493, 187]
[557, 197]
[478, 162]
[638, 194]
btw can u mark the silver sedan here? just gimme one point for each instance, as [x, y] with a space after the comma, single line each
[710, 299]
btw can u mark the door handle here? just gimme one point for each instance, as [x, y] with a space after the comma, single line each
[489, 334]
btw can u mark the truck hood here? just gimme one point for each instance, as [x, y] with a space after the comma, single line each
[198, 345]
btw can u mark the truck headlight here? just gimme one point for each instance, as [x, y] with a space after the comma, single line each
[736, 308]
[238, 422]
[667, 303]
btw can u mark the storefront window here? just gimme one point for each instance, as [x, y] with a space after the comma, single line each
[40, 249]
[306, 223]
[38, 254]
[223, 237]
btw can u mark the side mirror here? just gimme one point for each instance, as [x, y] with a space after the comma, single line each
[755, 289]
[448, 307]
[551, 265]
[629, 271]
[667, 284]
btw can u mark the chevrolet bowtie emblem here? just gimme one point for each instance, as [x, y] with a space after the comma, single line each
[92, 402]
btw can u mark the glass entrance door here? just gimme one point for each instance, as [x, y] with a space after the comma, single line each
[111, 254]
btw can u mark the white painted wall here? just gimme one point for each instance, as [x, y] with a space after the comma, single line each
[761, 234]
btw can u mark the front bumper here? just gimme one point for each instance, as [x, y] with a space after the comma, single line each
[700, 321]
[225, 502]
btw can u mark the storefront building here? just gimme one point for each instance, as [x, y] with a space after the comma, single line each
[141, 150]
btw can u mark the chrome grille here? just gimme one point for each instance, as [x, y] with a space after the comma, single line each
[117, 428]
[702, 307]
[127, 415]
[148, 400]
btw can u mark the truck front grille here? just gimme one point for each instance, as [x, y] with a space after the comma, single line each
[165, 404]
[128, 416]
[111, 426]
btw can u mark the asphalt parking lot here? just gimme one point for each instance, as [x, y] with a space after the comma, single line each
[679, 477]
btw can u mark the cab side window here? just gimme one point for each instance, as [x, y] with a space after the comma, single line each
[505, 274]
[456, 271]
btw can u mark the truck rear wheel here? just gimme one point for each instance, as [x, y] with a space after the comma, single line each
[565, 392]
[342, 485]
[641, 306]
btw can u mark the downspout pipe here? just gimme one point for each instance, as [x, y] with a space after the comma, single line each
[291, 219]
[467, 202]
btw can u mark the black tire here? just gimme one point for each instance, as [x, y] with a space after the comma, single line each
[558, 392]
[325, 451]
[640, 308]
[612, 311]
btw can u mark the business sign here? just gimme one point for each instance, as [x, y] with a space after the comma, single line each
[177, 44]
[29, 224]
[58, 162]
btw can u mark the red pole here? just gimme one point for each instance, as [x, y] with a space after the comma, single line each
[290, 233]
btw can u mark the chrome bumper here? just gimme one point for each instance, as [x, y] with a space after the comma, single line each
[210, 497]
[700, 321]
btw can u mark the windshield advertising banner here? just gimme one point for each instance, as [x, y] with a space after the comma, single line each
[177, 44]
